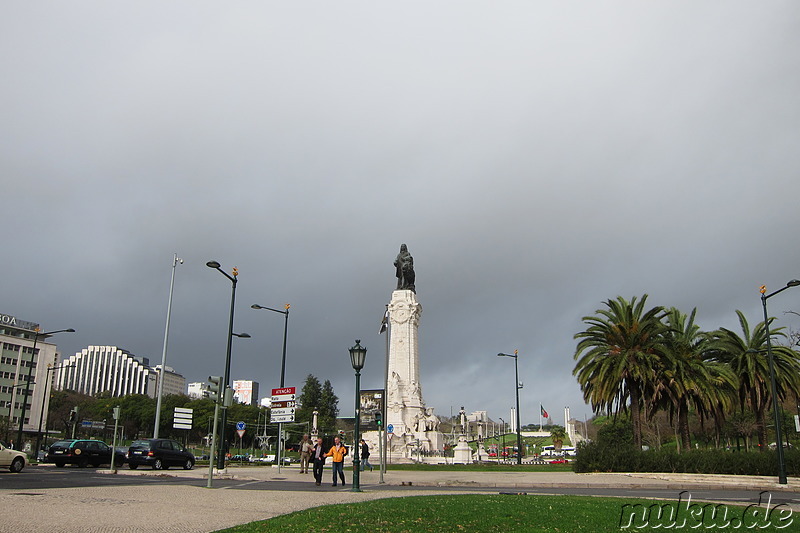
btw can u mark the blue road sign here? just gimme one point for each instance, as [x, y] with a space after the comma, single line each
[240, 425]
[390, 428]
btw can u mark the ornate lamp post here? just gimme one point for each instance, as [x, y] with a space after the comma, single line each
[227, 377]
[516, 391]
[36, 336]
[357, 356]
[776, 408]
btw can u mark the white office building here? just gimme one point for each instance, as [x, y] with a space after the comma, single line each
[23, 368]
[245, 391]
[110, 369]
[174, 383]
[198, 390]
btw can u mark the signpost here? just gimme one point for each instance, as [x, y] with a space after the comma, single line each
[282, 406]
[182, 418]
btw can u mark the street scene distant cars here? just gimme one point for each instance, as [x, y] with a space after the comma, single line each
[159, 454]
[82, 452]
[11, 459]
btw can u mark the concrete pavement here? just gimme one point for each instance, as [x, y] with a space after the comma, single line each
[174, 508]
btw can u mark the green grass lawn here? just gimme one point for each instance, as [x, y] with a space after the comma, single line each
[479, 513]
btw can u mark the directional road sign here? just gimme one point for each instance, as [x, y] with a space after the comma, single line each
[281, 418]
[282, 404]
[239, 426]
[182, 418]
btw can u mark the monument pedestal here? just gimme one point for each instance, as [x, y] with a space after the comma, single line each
[414, 427]
[462, 453]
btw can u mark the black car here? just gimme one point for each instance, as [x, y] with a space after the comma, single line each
[159, 454]
[82, 452]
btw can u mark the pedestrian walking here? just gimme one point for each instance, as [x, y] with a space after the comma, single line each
[305, 454]
[318, 456]
[338, 452]
[365, 456]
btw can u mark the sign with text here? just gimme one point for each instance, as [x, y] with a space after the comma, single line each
[282, 405]
[182, 418]
[371, 401]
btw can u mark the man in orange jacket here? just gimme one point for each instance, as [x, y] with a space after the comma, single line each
[337, 451]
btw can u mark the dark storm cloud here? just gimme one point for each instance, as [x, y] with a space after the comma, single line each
[537, 159]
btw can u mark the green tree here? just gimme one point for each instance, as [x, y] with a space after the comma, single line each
[558, 435]
[329, 407]
[746, 356]
[310, 398]
[685, 379]
[617, 357]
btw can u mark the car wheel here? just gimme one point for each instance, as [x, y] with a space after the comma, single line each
[132, 466]
[158, 464]
[83, 462]
[188, 465]
[60, 464]
[17, 465]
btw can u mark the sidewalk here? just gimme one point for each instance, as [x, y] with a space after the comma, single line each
[171, 508]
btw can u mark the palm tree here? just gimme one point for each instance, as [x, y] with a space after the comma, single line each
[558, 435]
[617, 357]
[685, 380]
[746, 357]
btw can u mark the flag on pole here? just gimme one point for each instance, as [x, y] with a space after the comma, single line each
[384, 322]
[544, 413]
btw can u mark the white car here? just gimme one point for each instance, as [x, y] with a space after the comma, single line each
[11, 459]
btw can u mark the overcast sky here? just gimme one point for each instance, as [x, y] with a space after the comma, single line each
[538, 158]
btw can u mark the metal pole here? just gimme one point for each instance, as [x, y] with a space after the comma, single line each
[383, 436]
[283, 377]
[227, 378]
[27, 391]
[775, 405]
[213, 445]
[516, 387]
[157, 422]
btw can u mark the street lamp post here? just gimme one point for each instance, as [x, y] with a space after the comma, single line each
[175, 261]
[516, 391]
[502, 436]
[36, 336]
[285, 314]
[227, 376]
[357, 356]
[775, 405]
[45, 398]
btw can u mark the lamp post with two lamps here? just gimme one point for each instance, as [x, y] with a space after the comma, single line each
[36, 336]
[516, 391]
[285, 314]
[46, 401]
[775, 405]
[227, 376]
[357, 356]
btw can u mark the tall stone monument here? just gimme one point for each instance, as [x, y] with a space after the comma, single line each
[413, 425]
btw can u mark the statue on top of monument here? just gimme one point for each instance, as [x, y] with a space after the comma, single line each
[404, 265]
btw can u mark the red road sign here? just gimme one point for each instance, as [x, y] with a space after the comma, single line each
[284, 390]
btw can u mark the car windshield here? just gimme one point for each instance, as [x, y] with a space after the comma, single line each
[140, 444]
[62, 443]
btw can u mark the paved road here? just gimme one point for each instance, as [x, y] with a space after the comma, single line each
[70, 499]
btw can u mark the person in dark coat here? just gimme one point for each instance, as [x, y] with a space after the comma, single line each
[318, 457]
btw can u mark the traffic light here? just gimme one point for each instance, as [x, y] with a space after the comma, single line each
[227, 399]
[73, 415]
[215, 390]
[379, 419]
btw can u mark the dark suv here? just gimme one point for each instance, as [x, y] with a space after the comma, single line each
[83, 453]
[159, 454]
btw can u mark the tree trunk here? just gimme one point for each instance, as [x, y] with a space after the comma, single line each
[636, 413]
[683, 426]
[761, 423]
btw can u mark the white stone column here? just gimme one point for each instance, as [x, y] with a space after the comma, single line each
[405, 406]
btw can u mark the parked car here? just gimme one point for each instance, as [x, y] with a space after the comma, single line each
[11, 459]
[82, 452]
[159, 454]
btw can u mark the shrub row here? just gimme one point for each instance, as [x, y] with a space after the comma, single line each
[599, 457]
